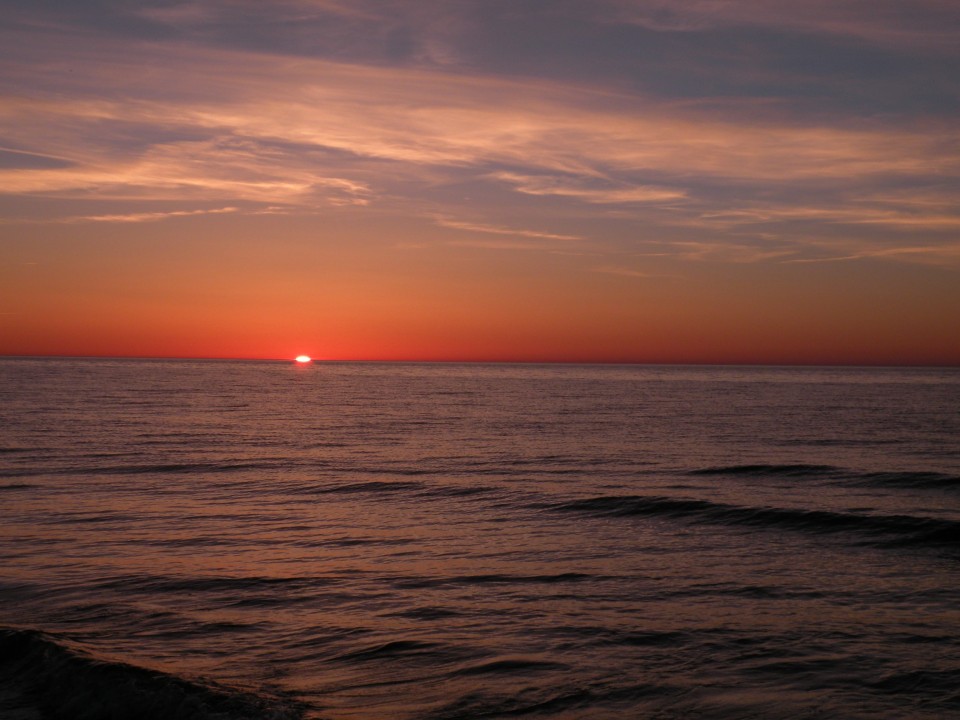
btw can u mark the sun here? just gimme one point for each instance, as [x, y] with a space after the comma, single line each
[303, 359]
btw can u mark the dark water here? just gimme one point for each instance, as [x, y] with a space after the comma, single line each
[258, 540]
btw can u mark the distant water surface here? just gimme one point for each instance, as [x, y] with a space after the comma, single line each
[366, 541]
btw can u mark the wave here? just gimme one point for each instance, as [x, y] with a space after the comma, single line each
[396, 486]
[16, 486]
[392, 649]
[932, 480]
[639, 638]
[214, 584]
[150, 469]
[883, 529]
[48, 677]
[455, 492]
[373, 486]
[631, 700]
[162, 468]
[792, 470]
[426, 613]
[892, 478]
[493, 579]
[942, 683]
[510, 666]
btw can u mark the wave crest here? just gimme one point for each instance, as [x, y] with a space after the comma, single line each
[886, 478]
[884, 529]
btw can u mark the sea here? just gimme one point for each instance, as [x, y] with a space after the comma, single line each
[227, 540]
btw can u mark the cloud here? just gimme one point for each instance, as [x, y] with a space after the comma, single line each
[13, 158]
[206, 12]
[148, 216]
[622, 271]
[423, 117]
[504, 245]
[576, 188]
[852, 213]
[310, 134]
[140, 217]
[153, 121]
[716, 250]
[222, 168]
[496, 230]
[945, 256]
[926, 22]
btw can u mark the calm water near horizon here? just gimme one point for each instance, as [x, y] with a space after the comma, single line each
[357, 541]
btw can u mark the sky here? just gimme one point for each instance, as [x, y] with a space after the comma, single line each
[703, 181]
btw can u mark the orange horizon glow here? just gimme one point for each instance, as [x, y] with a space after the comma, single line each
[867, 358]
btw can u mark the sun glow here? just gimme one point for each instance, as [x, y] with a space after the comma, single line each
[303, 359]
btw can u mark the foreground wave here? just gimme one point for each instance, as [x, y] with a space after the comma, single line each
[42, 676]
[880, 529]
[904, 479]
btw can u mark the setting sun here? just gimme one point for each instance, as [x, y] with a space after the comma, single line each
[303, 359]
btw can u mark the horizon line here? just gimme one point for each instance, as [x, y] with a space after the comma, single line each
[330, 361]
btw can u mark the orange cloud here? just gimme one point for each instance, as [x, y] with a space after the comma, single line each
[254, 108]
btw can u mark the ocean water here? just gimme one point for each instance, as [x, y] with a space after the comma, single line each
[185, 539]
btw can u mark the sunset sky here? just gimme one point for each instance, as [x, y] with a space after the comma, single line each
[713, 181]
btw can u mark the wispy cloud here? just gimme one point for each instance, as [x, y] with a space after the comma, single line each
[622, 271]
[718, 251]
[223, 167]
[148, 216]
[504, 244]
[498, 230]
[245, 105]
[577, 188]
[851, 214]
[132, 217]
[258, 129]
[881, 21]
[946, 255]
